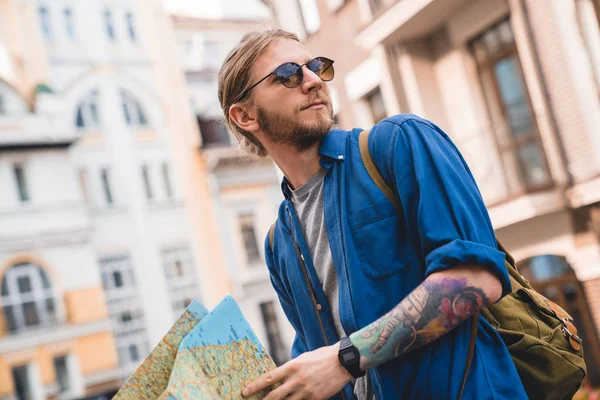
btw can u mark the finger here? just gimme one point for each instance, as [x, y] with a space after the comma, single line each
[282, 392]
[265, 381]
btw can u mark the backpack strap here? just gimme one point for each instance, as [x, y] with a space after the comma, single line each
[363, 143]
[271, 234]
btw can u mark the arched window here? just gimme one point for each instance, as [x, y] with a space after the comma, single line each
[45, 22]
[130, 26]
[27, 298]
[87, 112]
[69, 23]
[132, 110]
[108, 23]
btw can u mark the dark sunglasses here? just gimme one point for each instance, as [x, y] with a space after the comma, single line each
[290, 74]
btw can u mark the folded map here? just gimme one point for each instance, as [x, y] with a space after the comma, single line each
[205, 355]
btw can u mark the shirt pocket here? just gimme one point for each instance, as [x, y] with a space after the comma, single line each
[380, 240]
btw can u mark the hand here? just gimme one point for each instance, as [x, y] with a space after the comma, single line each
[317, 374]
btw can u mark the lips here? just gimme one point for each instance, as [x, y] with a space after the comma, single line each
[315, 103]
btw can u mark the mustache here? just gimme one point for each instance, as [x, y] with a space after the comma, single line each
[319, 96]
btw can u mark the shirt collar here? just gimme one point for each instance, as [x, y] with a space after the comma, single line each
[331, 148]
[333, 145]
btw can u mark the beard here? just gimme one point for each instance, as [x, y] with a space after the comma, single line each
[293, 130]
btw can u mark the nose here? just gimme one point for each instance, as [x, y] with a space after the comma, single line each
[311, 80]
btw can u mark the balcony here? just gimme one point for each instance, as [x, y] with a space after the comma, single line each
[399, 20]
[40, 336]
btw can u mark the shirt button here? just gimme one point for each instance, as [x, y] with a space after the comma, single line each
[319, 307]
[340, 157]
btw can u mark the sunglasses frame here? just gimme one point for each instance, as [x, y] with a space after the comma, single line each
[245, 92]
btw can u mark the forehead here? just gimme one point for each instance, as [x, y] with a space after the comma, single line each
[279, 52]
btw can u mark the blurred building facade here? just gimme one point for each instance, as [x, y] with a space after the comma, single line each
[100, 249]
[517, 88]
[245, 191]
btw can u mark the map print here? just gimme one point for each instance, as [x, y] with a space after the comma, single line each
[217, 358]
[152, 377]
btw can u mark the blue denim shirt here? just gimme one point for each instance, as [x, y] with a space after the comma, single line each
[380, 256]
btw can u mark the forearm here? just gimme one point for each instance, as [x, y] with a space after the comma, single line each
[433, 309]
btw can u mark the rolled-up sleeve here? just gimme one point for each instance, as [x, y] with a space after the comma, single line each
[444, 211]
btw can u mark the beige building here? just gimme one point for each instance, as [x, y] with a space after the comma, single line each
[245, 192]
[516, 84]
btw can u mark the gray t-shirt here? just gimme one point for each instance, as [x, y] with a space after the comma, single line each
[309, 204]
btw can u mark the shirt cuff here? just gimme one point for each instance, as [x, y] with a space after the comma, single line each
[462, 252]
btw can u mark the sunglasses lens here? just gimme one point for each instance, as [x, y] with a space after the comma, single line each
[323, 67]
[289, 74]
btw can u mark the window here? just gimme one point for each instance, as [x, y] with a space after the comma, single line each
[62, 373]
[147, 184]
[376, 105]
[27, 298]
[108, 24]
[246, 223]
[516, 133]
[130, 27]
[21, 183]
[108, 197]
[124, 308]
[180, 272]
[276, 347]
[45, 22]
[87, 112]
[69, 24]
[23, 389]
[2, 105]
[310, 16]
[132, 110]
[167, 180]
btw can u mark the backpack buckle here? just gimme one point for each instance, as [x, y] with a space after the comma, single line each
[574, 340]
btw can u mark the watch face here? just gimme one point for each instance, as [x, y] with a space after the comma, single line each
[349, 356]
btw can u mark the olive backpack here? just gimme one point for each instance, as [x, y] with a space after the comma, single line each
[539, 334]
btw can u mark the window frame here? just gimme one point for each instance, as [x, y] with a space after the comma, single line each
[23, 190]
[131, 31]
[109, 26]
[121, 300]
[45, 22]
[182, 283]
[89, 111]
[133, 112]
[147, 182]
[514, 144]
[38, 294]
[109, 199]
[69, 22]
[248, 220]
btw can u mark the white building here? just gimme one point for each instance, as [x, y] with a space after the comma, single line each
[93, 216]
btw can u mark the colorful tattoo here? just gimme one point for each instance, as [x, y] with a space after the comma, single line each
[431, 310]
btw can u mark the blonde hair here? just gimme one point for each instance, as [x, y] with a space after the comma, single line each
[235, 75]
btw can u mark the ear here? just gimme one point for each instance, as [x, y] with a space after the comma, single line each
[244, 116]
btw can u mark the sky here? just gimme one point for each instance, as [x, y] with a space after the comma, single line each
[218, 9]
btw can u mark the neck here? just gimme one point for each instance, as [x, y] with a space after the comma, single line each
[298, 167]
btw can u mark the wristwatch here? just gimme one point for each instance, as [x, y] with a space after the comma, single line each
[349, 357]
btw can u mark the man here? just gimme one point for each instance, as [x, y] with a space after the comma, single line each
[345, 262]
